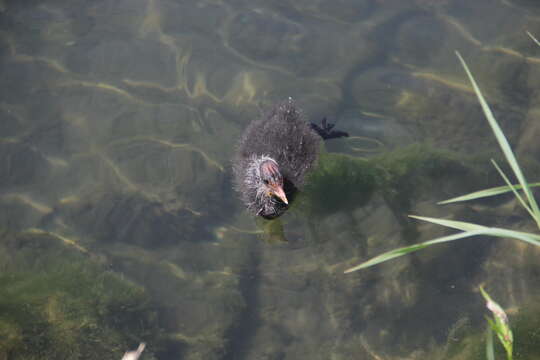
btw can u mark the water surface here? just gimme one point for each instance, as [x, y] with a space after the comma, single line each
[118, 223]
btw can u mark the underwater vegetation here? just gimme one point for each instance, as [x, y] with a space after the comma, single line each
[339, 181]
[342, 182]
[525, 345]
[59, 304]
[499, 324]
[469, 229]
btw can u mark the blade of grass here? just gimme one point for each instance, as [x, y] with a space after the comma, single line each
[409, 249]
[505, 178]
[485, 193]
[499, 324]
[503, 143]
[490, 352]
[454, 224]
[497, 232]
[530, 238]
[533, 38]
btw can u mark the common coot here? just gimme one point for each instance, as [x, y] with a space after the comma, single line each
[274, 155]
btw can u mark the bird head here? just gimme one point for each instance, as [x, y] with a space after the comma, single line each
[271, 185]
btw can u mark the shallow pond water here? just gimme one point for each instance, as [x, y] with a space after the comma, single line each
[119, 224]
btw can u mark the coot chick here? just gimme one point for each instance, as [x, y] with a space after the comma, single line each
[273, 157]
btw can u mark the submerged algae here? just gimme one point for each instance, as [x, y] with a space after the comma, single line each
[410, 171]
[342, 182]
[524, 324]
[59, 304]
[339, 182]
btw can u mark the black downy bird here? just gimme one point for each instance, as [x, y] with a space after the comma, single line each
[274, 155]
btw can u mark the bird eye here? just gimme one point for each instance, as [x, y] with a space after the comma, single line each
[266, 181]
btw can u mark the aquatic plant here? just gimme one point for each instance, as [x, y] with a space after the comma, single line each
[500, 325]
[59, 304]
[470, 229]
[343, 182]
[473, 344]
[340, 181]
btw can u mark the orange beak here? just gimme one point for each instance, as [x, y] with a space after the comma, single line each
[278, 191]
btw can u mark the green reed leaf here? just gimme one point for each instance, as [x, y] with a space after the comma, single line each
[389, 255]
[499, 324]
[503, 143]
[490, 351]
[470, 230]
[530, 238]
[486, 193]
[516, 194]
[454, 224]
[533, 38]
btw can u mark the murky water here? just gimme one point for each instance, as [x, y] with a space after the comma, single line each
[118, 223]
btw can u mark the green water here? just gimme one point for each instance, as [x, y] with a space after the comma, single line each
[118, 223]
